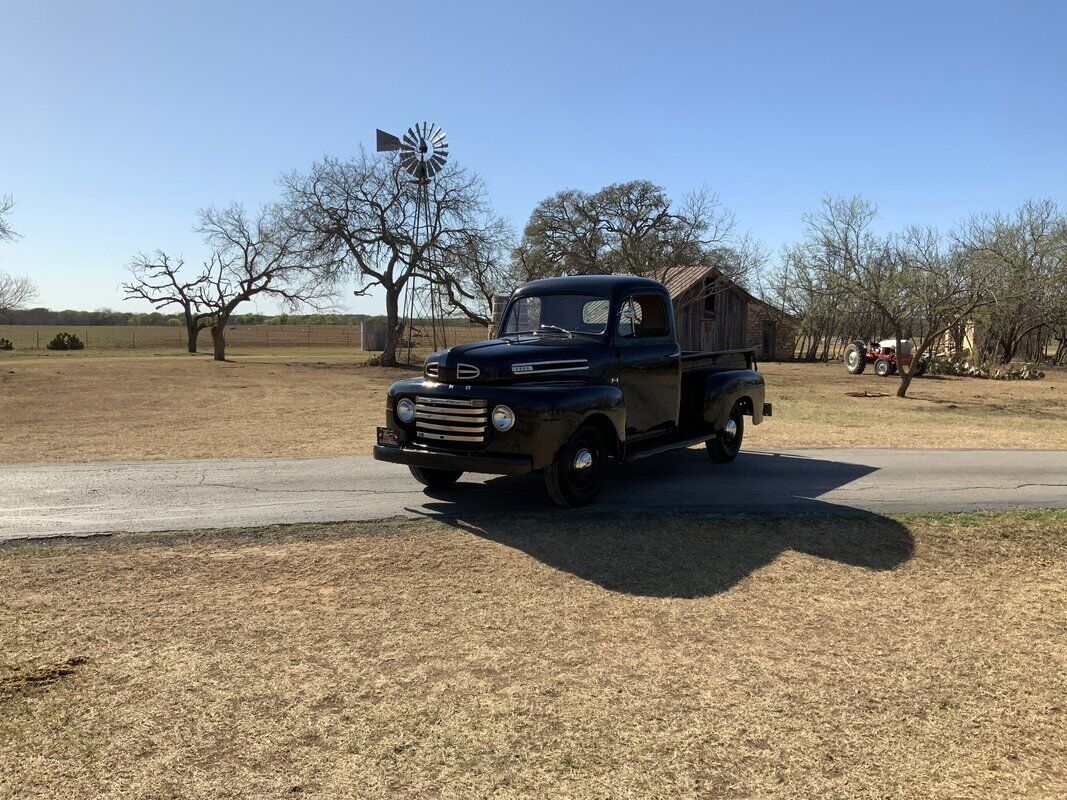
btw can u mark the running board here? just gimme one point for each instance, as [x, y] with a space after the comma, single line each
[664, 447]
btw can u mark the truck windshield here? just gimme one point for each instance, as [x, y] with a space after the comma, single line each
[557, 315]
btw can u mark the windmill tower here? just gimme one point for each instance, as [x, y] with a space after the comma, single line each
[423, 151]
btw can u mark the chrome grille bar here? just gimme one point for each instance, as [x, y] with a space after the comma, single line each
[451, 437]
[467, 412]
[451, 401]
[450, 417]
[467, 419]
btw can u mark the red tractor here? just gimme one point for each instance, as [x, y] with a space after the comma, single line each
[883, 355]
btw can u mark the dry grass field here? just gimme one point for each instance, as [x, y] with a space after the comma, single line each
[83, 406]
[597, 657]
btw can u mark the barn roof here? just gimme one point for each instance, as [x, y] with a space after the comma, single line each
[680, 280]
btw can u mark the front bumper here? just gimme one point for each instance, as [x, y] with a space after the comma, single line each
[491, 463]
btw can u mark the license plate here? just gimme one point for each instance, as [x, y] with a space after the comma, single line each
[387, 437]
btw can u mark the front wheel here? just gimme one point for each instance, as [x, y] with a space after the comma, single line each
[882, 367]
[436, 478]
[855, 358]
[918, 369]
[577, 474]
[724, 447]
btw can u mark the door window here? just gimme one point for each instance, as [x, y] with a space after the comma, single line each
[643, 316]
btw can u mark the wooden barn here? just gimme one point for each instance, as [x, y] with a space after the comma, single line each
[712, 313]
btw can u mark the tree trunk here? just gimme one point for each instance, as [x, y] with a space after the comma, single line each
[192, 332]
[905, 382]
[392, 326]
[218, 339]
[905, 374]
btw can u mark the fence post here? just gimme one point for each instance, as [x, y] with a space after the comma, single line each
[309, 336]
[133, 334]
[38, 332]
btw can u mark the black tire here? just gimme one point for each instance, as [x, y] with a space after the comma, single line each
[577, 474]
[726, 444]
[436, 478]
[919, 368]
[882, 367]
[855, 358]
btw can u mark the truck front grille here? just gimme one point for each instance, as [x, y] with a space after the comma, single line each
[451, 419]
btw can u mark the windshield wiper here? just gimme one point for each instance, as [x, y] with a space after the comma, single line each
[564, 331]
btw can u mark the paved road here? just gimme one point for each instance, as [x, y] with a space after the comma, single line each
[75, 499]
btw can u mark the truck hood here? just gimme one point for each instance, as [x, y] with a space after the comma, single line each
[516, 359]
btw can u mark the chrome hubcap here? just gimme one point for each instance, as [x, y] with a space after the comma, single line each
[730, 431]
[583, 460]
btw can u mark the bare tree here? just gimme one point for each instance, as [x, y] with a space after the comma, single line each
[157, 279]
[363, 213]
[7, 233]
[1026, 256]
[631, 228]
[15, 293]
[910, 280]
[474, 267]
[256, 256]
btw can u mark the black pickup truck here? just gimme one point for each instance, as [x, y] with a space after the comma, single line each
[584, 371]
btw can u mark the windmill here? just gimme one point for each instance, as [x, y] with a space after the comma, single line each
[423, 151]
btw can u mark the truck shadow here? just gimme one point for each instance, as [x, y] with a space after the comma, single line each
[681, 527]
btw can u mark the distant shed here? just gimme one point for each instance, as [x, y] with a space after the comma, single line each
[713, 313]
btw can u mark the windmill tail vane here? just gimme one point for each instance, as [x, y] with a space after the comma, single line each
[423, 152]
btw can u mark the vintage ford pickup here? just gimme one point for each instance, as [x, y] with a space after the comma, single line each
[584, 371]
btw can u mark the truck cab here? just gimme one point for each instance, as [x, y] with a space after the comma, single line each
[584, 372]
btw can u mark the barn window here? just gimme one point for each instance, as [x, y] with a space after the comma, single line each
[709, 297]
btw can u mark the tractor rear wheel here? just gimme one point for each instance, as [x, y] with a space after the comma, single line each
[855, 358]
[882, 367]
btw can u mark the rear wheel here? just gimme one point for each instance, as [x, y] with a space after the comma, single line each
[577, 474]
[882, 367]
[855, 358]
[436, 478]
[726, 444]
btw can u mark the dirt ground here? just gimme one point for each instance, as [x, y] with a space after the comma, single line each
[604, 657]
[69, 407]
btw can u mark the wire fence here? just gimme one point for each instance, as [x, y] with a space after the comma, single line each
[161, 337]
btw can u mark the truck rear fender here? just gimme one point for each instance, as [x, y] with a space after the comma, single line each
[723, 389]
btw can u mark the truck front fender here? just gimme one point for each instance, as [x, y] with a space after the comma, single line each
[554, 412]
[723, 389]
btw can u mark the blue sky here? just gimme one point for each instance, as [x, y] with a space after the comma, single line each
[119, 120]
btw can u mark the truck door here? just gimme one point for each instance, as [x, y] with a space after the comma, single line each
[649, 364]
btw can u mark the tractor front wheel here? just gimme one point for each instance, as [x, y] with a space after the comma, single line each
[855, 358]
[882, 367]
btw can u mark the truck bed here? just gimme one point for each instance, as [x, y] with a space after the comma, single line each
[711, 360]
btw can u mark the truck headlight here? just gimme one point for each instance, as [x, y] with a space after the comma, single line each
[405, 410]
[503, 418]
